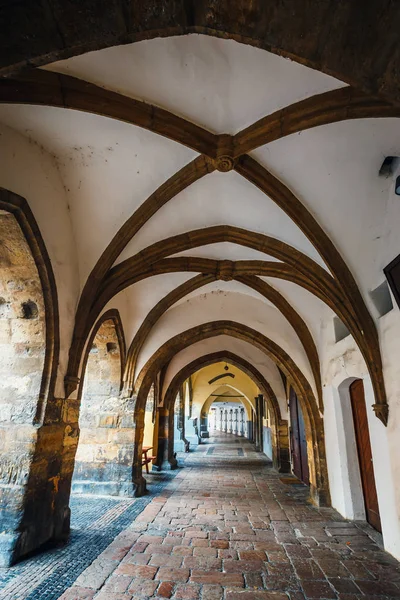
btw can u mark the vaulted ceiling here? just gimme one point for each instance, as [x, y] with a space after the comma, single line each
[208, 180]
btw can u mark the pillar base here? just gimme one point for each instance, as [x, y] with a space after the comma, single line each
[166, 465]
[140, 487]
[319, 496]
[15, 546]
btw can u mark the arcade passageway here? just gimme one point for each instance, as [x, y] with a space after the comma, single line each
[199, 262]
[226, 527]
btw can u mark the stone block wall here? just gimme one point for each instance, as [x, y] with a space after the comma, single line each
[105, 451]
[22, 355]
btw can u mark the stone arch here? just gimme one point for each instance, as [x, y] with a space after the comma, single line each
[207, 404]
[262, 287]
[28, 369]
[319, 487]
[280, 426]
[18, 208]
[113, 316]
[353, 313]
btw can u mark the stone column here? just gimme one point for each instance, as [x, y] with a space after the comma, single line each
[226, 420]
[280, 447]
[230, 420]
[260, 398]
[250, 430]
[181, 418]
[242, 421]
[171, 435]
[236, 422]
[256, 428]
[221, 419]
[162, 461]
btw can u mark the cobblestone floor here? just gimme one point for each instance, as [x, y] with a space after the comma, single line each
[95, 522]
[227, 527]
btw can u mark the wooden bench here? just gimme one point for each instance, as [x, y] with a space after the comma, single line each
[146, 460]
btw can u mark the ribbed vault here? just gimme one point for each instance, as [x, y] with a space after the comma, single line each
[175, 189]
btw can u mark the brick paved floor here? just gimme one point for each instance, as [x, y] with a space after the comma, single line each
[228, 528]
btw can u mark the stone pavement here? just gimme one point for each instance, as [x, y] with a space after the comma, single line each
[228, 527]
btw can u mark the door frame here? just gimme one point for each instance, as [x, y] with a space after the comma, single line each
[303, 450]
[372, 481]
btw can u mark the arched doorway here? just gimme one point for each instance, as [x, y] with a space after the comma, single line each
[364, 453]
[298, 439]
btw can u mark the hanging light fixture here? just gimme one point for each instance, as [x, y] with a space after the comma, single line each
[226, 367]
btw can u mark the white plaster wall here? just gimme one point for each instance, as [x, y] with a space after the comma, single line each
[30, 171]
[342, 363]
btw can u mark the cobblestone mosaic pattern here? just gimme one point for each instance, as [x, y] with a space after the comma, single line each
[230, 529]
[95, 522]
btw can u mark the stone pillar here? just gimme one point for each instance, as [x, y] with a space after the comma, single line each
[280, 447]
[221, 419]
[34, 497]
[204, 433]
[181, 419]
[171, 429]
[162, 462]
[236, 429]
[225, 420]
[230, 420]
[260, 399]
[256, 428]
[250, 430]
[242, 422]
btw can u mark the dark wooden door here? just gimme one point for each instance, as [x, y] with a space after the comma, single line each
[298, 439]
[364, 453]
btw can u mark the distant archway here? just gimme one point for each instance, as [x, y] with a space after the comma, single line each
[319, 481]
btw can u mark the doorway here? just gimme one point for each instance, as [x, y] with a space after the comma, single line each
[364, 452]
[298, 441]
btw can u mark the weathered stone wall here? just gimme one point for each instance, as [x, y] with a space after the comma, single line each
[105, 452]
[22, 353]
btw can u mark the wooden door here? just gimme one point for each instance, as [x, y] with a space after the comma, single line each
[298, 441]
[364, 453]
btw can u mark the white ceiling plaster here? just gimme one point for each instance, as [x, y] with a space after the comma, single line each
[334, 171]
[220, 84]
[227, 251]
[221, 199]
[236, 307]
[225, 287]
[141, 297]
[109, 168]
[310, 308]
